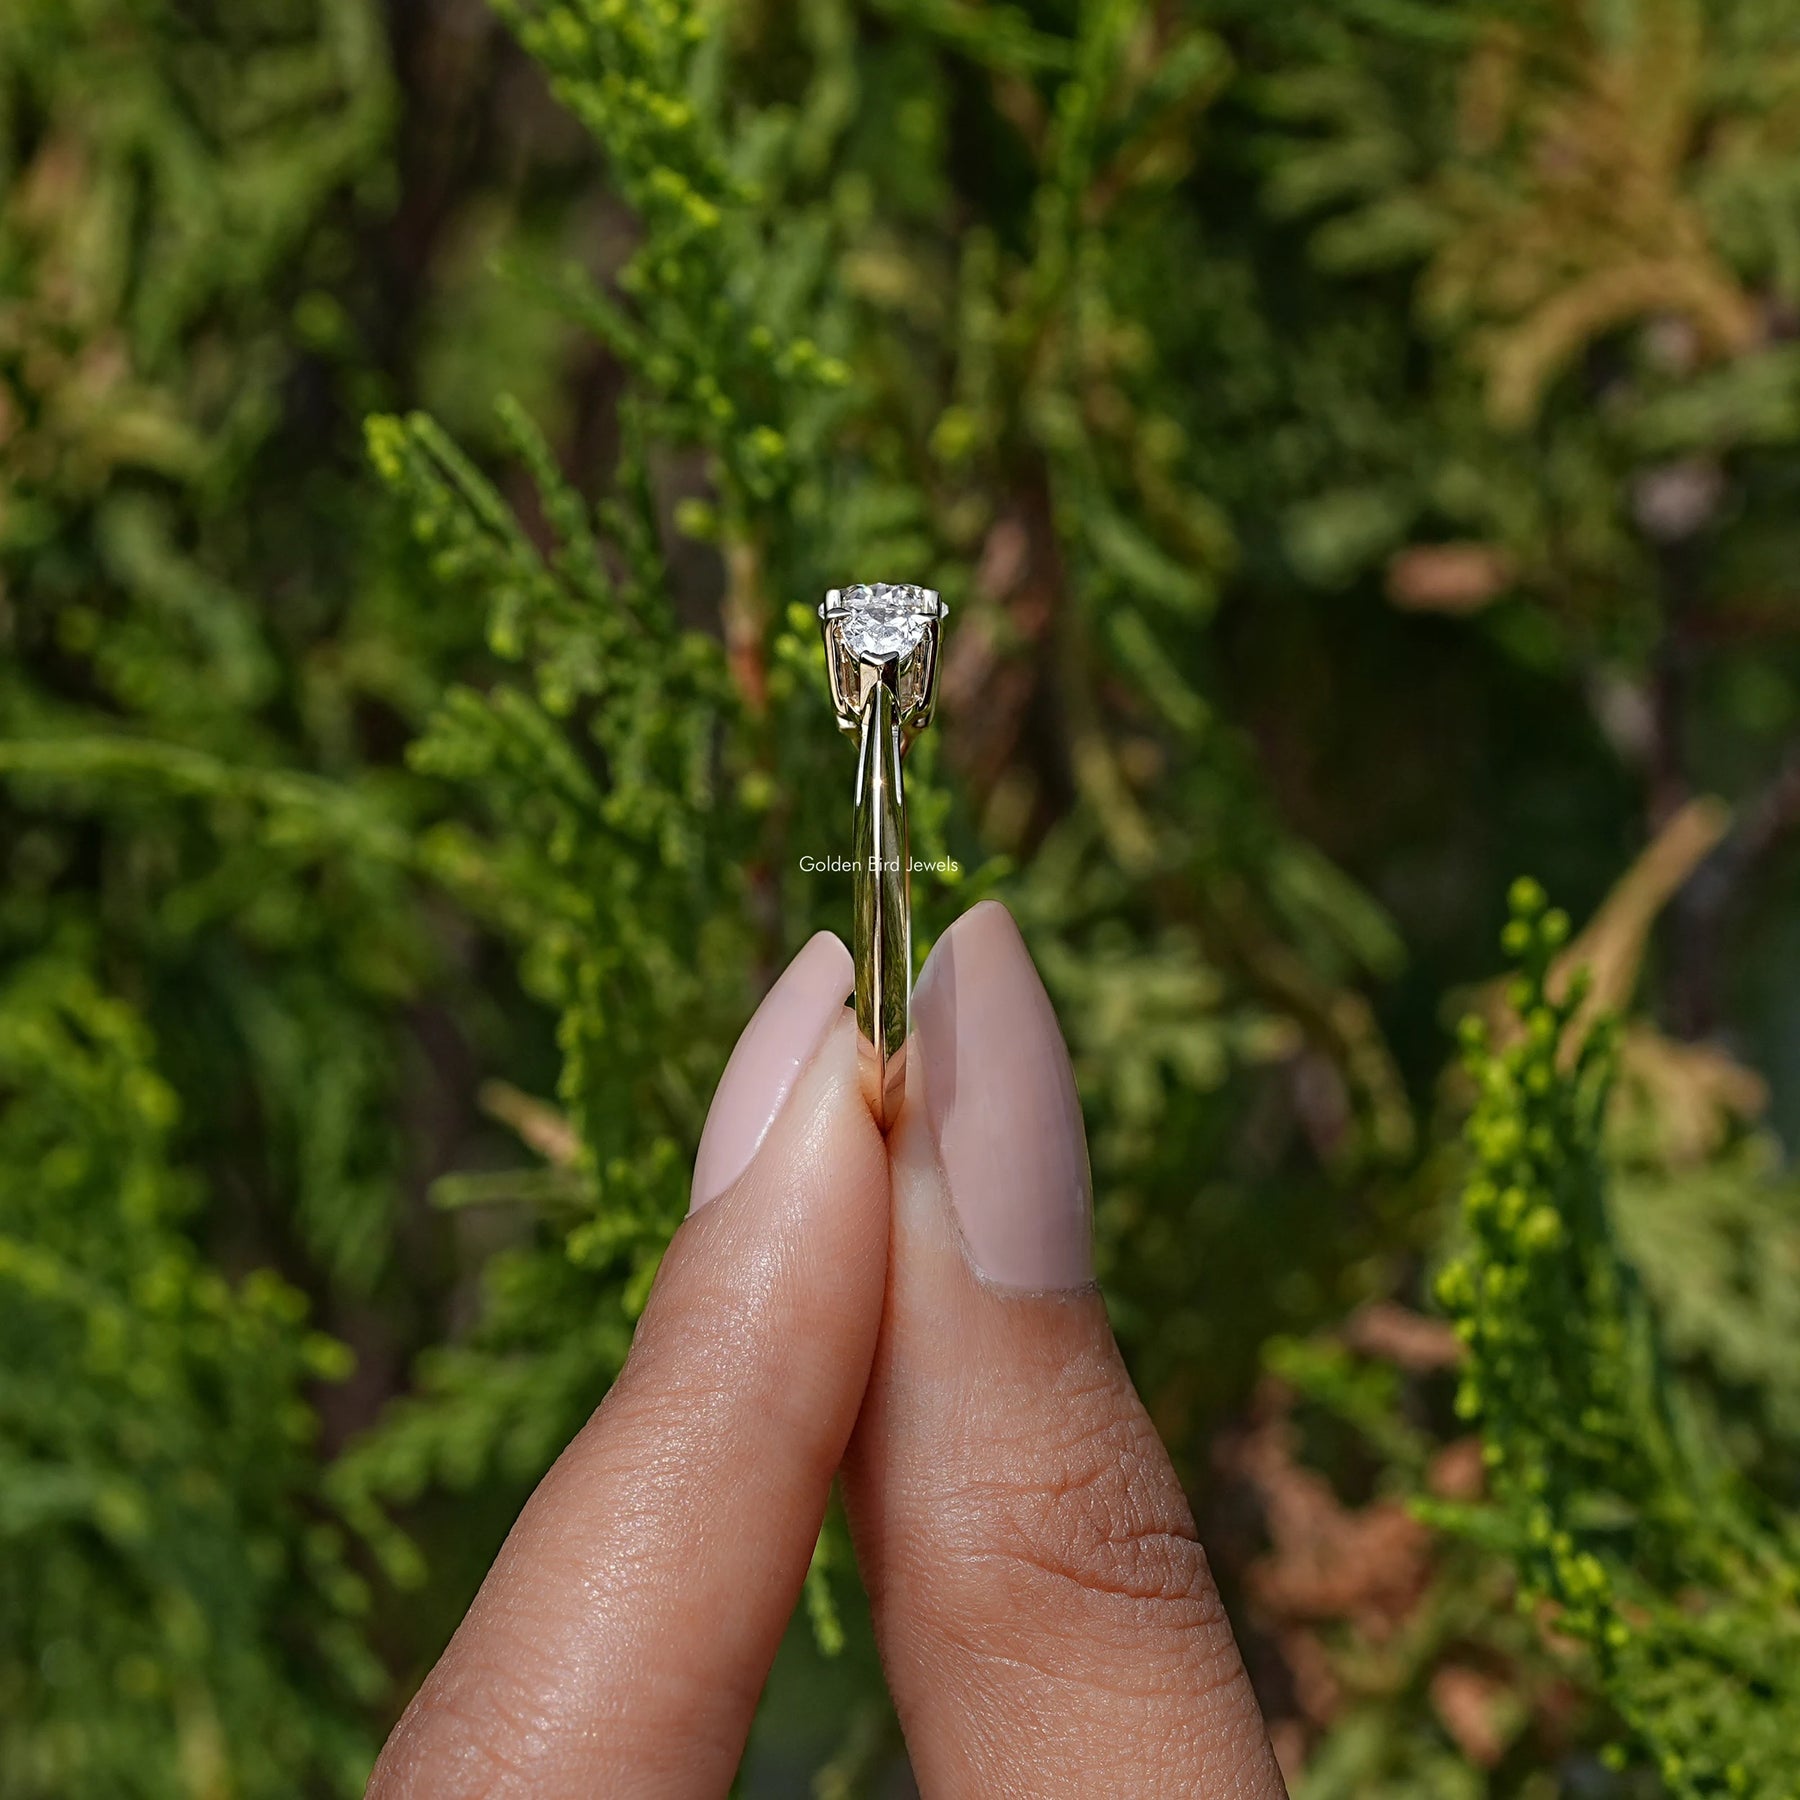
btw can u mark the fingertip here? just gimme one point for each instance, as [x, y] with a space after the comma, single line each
[828, 946]
[998, 1100]
[782, 1038]
[969, 929]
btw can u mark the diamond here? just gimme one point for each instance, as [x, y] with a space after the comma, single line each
[883, 621]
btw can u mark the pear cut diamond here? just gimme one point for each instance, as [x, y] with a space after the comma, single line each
[883, 620]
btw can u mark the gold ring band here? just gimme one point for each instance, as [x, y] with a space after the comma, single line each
[881, 898]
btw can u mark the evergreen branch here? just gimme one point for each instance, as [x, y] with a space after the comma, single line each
[1619, 1520]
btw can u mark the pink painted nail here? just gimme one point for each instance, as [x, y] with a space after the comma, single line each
[777, 1044]
[1000, 1097]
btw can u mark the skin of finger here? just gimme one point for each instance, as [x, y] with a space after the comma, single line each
[1046, 1616]
[623, 1636]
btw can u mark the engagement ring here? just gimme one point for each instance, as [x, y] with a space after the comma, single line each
[881, 651]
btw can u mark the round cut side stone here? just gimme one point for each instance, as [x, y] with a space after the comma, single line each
[883, 621]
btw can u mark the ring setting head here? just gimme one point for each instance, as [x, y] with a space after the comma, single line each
[883, 630]
[882, 619]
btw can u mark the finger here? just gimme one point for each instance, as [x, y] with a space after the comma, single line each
[623, 1635]
[1046, 1617]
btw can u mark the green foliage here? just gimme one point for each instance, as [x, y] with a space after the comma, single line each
[1716, 1250]
[1607, 1497]
[166, 202]
[604, 848]
[178, 1611]
[189, 908]
[159, 177]
[721, 275]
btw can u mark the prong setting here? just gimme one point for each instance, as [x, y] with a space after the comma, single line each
[877, 631]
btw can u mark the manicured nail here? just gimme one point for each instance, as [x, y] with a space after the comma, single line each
[770, 1057]
[1000, 1097]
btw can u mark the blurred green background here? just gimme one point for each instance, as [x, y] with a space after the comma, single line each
[1360, 443]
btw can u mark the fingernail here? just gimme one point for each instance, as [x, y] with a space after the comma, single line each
[1000, 1098]
[777, 1044]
